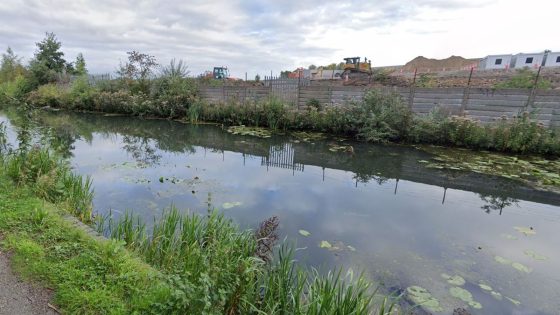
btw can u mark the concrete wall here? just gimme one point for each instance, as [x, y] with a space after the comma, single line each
[484, 105]
[552, 59]
[489, 62]
[521, 60]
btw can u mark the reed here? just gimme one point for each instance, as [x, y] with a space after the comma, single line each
[222, 269]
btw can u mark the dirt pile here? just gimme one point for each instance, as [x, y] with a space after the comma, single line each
[454, 62]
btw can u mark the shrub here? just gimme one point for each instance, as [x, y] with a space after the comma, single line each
[82, 95]
[381, 117]
[524, 79]
[314, 103]
[50, 95]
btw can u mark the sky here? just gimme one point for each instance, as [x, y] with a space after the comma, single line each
[257, 37]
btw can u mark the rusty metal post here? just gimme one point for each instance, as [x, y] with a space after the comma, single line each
[412, 88]
[466, 94]
[531, 99]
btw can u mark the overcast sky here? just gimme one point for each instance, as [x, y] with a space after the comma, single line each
[260, 36]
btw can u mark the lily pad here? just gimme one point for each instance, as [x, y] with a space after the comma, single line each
[423, 297]
[485, 287]
[304, 233]
[325, 244]
[229, 205]
[461, 294]
[509, 237]
[521, 267]
[454, 280]
[534, 255]
[515, 302]
[525, 230]
[496, 295]
[464, 296]
[351, 248]
[475, 305]
[341, 148]
[502, 260]
[250, 131]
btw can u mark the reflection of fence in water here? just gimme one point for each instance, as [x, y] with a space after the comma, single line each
[282, 156]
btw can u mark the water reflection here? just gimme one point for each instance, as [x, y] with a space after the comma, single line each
[406, 223]
[141, 150]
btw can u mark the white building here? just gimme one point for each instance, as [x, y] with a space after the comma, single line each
[495, 62]
[552, 59]
[527, 60]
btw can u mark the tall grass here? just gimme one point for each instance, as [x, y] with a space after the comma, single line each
[3, 139]
[220, 269]
[52, 179]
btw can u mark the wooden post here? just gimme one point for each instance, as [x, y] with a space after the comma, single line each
[466, 94]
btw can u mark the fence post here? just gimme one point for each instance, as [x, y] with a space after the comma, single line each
[466, 94]
[412, 88]
[531, 99]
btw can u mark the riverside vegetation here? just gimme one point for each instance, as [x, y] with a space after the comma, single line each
[142, 90]
[186, 263]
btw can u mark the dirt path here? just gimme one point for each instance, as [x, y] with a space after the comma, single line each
[18, 297]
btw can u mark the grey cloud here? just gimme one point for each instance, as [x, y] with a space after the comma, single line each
[245, 35]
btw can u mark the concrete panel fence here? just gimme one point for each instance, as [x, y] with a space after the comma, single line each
[485, 105]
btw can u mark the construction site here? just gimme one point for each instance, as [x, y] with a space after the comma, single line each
[454, 71]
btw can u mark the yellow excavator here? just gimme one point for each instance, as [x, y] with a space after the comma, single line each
[357, 72]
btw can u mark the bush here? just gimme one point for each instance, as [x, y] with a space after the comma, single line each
[524, 79]
[381, 118]
[175, 94]
[82, 95]
[50, 95]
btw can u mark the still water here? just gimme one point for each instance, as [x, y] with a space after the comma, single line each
[380, 210]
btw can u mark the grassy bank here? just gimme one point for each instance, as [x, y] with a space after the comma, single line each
[88, 276]
[185, 264]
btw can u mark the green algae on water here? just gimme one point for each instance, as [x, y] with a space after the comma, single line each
[534, 255]
[422, 297]
[325, 244]
[304, 233]
[250, 131]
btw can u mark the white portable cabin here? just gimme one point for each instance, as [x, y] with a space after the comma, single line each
[495, 62]
[552, 59]
[527, 60]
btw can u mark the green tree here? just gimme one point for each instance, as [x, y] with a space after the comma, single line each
[137, 71]
[312, 67]
[48, 60]
[257, 78]
[80, 65]
[10, 66]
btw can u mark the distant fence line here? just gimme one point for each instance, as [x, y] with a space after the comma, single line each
[485, 105]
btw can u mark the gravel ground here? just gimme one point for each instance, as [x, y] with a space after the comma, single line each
[18, 297]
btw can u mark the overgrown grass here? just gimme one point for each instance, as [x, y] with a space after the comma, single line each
[51, 179]
[224, 270]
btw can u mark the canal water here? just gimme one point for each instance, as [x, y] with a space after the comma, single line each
[376, 210]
